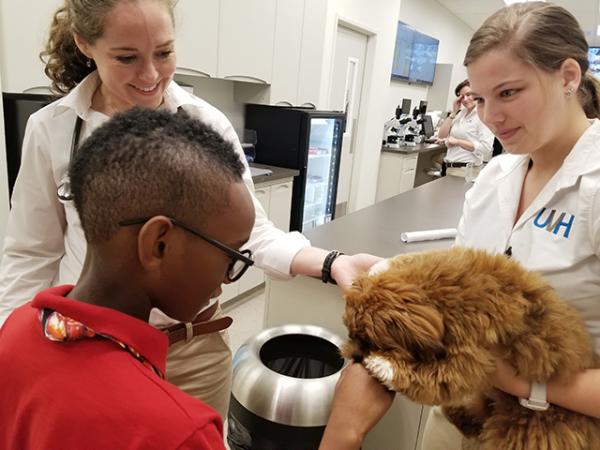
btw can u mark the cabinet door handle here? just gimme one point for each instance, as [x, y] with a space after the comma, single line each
[309, 105]
[284, 186]
[193, 72]
[283, 103]
[245, 78]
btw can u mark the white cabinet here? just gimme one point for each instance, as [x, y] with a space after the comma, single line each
[197, 33]
[311, 55]
[280, 205]
[246, 36]
[276, 199]
[298, 52]
[255, 276]
[396, 174]
[286, 53]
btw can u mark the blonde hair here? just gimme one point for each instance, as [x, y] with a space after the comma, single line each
[66, 66]
[542, 35]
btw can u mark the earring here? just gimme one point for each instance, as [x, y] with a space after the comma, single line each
[88, 63]
[569, 92]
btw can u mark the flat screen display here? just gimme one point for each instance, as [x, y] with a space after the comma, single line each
[423, 59]
[594, 60]
[415, 55]
[403, 51]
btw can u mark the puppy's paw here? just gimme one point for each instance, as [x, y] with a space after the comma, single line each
[379, 267]
[380, 368]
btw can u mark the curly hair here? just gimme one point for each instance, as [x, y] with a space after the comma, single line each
[542, 35]
[143, 163]
[65, 65]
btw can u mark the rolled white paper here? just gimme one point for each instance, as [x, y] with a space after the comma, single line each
[428, 235]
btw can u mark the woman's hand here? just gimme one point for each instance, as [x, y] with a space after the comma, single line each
[456, 104]
[346, 268]
[360, 401]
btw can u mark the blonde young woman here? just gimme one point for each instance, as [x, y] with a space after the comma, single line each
[107, 56]
[529, 76]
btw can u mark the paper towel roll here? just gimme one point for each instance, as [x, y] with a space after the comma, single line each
[428, 235]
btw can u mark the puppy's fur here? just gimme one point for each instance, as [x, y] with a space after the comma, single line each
[431, 325]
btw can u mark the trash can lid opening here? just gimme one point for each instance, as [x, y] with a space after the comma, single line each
[301, 356]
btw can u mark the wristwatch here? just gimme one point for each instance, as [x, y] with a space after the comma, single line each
[537, 398]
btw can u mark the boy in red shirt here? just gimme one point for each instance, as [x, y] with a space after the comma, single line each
[164, 211]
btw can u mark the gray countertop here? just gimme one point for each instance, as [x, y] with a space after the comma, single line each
[376, 229]
[409, 150]
[279, 173]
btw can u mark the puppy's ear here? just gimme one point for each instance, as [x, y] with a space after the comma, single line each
[419, 328]
[388, 314]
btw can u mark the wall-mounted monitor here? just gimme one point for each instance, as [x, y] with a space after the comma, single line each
[415, 55]
[594, 60]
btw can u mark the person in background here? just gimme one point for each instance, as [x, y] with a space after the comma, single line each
[467, 139]
[108, 56]
[87, 370]
[540, 202]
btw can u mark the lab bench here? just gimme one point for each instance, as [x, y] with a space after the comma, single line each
[405, 167]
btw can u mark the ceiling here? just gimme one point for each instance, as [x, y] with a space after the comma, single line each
[474, 12]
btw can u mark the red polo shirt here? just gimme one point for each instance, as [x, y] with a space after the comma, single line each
[92, 393]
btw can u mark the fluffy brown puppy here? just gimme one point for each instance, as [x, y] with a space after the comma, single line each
[431, 325]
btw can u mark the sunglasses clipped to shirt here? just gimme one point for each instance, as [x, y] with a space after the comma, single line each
[240, 261]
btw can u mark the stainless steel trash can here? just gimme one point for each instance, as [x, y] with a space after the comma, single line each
[283, 384]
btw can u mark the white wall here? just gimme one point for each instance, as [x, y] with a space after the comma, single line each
[454, 36]
[21, 28]
[375, 18]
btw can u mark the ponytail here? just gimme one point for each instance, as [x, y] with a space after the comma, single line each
[589, 95]
[66, 66]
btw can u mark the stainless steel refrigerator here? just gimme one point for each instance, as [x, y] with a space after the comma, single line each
[309, 141]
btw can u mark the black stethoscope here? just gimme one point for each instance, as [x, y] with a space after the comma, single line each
[64, 188]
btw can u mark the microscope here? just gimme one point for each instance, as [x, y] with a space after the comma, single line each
[417, 130]
[395, 128]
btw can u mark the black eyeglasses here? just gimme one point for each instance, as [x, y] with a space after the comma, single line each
[240, 261]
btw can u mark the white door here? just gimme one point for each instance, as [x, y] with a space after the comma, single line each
[345, 94]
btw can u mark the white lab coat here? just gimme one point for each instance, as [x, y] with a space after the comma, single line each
[44, 243]
[559, 233]
[469, 127]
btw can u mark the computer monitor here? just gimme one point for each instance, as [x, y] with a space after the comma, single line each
[428, 130]
[406, 104]
[17, 109]
[422, 107]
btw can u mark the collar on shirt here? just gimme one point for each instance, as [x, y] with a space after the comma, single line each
[151, 343]
[582, 159]
[80, 98]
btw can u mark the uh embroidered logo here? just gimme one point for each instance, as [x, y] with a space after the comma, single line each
[564, 222]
